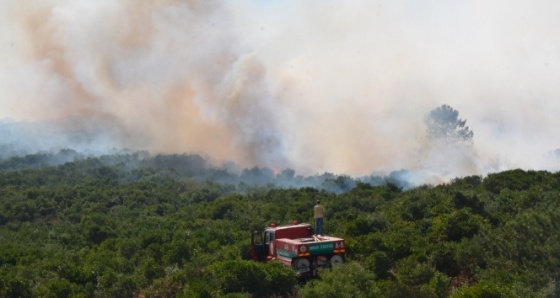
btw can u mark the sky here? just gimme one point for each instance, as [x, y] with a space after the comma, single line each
[316, 86]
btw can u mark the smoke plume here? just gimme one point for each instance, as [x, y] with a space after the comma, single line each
[310, 85]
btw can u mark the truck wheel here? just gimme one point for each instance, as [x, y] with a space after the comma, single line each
[337, 260]
[301, 265]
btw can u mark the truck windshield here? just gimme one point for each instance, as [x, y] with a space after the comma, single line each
[268, 237]
[257, 238]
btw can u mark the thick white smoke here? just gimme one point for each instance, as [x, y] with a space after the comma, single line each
[311, 85]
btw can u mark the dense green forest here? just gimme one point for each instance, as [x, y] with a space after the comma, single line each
[134, 225]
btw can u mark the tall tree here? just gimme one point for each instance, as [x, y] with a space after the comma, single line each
[444, 125]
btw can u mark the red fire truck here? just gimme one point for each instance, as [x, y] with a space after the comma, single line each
[296, 246]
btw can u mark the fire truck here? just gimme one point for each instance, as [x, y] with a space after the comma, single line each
[296, 246]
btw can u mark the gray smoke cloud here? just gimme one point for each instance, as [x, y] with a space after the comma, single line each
[310, 85]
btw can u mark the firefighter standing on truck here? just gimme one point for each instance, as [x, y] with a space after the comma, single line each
[318, 214]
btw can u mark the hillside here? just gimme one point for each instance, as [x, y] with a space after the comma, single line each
[128, 225]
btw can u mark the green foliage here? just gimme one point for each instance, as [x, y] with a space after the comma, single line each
[519, 180]
[413, 273]
[439, 284]
[484, 289]
[351, 280]
[455, 226]
[380, 264]
[258, 280]
[238, 277]
[123, 226]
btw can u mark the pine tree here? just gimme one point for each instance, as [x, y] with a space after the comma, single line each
[443, 125]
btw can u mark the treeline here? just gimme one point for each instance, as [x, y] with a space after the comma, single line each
[196, 167]
[106, 227]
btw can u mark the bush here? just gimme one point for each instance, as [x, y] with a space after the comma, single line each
[281, 279]
[483, 289]
[257, 279]
[351, 279]
[379, 263]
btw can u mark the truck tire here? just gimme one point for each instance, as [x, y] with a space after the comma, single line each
[302, 265]
[336, 260]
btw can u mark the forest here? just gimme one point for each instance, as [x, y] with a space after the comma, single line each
[135, 225]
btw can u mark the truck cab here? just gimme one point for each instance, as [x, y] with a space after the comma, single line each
[263, 243]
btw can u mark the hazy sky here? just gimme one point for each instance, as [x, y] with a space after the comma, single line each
[338, 86]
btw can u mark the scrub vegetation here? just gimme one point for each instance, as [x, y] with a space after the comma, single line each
[168, 226]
